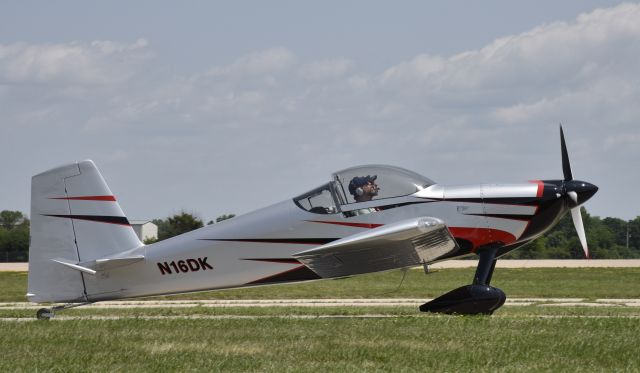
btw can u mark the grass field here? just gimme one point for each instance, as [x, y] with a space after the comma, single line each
[518, 342]
[529, 282]
[527, 338]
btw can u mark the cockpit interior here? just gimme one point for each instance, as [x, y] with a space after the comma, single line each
[340, 195]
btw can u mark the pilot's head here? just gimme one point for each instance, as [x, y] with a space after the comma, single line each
[363, 188]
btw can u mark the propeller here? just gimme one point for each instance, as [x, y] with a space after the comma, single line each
[577, 192]
[566, 166]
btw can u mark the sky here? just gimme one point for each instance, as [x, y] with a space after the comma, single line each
[225, 107]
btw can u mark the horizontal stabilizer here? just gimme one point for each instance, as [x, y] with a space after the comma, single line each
[75, 266]
[110, 263]
[98, 265]
[399, 245]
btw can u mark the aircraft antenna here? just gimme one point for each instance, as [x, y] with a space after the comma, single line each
[404, 274]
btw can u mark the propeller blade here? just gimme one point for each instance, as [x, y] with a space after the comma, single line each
[577, 223]
[566, 166]
[574, 196]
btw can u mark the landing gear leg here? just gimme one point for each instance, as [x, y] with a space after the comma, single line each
[474, 299]
[425, 267]
[486, 266]
[49, 313]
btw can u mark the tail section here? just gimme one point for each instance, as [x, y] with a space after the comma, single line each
[75, 219]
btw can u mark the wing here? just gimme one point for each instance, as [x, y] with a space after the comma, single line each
[403, 244]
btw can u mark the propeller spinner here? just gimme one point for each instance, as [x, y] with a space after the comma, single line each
[576, 193]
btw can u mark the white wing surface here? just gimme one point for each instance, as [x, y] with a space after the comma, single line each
[399, 245]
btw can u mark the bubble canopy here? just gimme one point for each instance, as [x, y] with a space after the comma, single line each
[391, 181]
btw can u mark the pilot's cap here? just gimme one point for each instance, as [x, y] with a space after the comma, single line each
[360, 181]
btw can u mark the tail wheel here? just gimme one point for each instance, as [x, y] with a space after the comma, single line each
[44, 314]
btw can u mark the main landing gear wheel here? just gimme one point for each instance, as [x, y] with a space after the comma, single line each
[44, 314]
[476, 299]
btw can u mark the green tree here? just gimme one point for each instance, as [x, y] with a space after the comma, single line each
[176, 225]
[4, 239]
[9, 219]
[532, 250]
[618, 228]
[224, 217]
[221, 218]
[634, 234]
[606, 239]
[14, 236]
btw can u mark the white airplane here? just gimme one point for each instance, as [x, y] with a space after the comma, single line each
[364, 219]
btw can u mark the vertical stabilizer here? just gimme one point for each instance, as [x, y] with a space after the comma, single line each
[74, 219]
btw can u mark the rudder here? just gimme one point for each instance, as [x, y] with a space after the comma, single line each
[74, 218]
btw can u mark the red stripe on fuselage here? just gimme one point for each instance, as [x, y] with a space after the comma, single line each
[348, 224]
[482, 236]
[540, 187]
[89, 198]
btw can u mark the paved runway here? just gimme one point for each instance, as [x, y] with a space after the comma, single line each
[381, 302]
[318, 303]
[303, 317]
[505, 263]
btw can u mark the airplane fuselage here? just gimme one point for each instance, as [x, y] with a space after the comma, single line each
[257, 248]
[365, 219]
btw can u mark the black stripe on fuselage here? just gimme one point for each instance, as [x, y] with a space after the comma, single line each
[520, 201]
[387, 207]
[301, 273]
[121, 220]
[546, 216]
[275, 260]
[293, 241]
[506, 216]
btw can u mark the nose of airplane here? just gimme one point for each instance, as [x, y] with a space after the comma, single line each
[579, 191]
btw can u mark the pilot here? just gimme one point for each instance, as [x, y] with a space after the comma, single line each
[364, 188]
